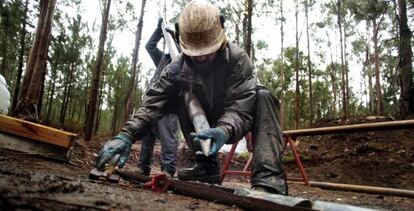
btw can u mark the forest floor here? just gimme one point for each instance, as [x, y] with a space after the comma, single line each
[381, 158]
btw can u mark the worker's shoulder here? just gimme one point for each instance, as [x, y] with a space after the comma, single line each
[236, 54]
[173, 69]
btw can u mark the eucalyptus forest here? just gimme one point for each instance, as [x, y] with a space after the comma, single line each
[322, 59]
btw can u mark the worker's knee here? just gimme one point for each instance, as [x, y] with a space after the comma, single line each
[264, 95]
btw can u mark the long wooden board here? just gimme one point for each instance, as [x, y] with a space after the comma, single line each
[36, 132]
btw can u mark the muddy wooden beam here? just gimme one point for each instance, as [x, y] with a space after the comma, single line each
[391, 125]
[35, 139]
[17, 143]
[35, 131]
[214, 193]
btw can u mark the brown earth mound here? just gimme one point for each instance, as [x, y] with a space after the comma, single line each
[381, 158]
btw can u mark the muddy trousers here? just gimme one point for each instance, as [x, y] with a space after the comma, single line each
[267, 169]
[166, 132]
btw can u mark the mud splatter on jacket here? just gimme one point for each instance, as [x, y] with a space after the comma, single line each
[226, 90]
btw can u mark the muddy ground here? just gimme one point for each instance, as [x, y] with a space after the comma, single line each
[382, 158]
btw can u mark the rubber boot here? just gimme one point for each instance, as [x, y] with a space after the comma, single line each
[205, 169]
[145, 170]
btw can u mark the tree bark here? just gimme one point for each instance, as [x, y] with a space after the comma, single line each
[332, 73]
[52, 91]
[100, 99]
[346, 71]
[21, 55]
[309, 64]
[369, 71]
[33, 51]
[248, 27]
[297, 92]
[333, 82]
[42, 87]
[344, 101]
[405, 64]
[282, 71]
[379, 104]
[27, 108]
[91, 114]
[133, 80]
[39, 72]
[66, 94]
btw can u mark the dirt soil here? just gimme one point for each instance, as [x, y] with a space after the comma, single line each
[381, 158]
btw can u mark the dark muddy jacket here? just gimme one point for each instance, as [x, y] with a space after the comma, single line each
[226, 90]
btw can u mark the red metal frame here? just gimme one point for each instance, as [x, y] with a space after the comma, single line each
[227, 160]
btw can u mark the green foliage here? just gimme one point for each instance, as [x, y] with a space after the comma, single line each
[11, 21]
[368, 9]
[65, 104]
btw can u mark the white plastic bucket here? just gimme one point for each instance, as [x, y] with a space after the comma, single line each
[4, 96]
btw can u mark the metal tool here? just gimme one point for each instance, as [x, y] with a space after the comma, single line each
[195, 110]
[108, 173]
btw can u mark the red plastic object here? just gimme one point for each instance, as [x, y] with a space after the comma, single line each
[159, 183]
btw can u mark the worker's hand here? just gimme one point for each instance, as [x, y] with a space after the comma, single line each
[119, 144]
[218, 137]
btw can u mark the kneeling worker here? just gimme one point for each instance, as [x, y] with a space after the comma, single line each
[221, 75]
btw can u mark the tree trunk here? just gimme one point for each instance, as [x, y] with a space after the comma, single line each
[297, 92]
[33, 51]
[42, 87]
[379, 105]
[52, 92]
[405, 64]
[133, 80]
[72, 110]
[332, 74]
[21, 55]
[344, 101]
[282, 71]
[39, 73]
[114, 119]
[91, 114]
[66, 94]
[370, 88]
[248, 27]
[347, 96]
[369, 70]
[309, 64]
[98, 115]
[100, 100]
[28, 102]
[237, 32]
[333, 82]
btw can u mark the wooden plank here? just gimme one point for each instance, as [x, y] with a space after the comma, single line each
[13, 142]
[35, 131]
[391, 125]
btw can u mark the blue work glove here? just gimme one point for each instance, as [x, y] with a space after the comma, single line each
[119, 144]
[218, 136]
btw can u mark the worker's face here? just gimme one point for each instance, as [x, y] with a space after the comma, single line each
[204, 59]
